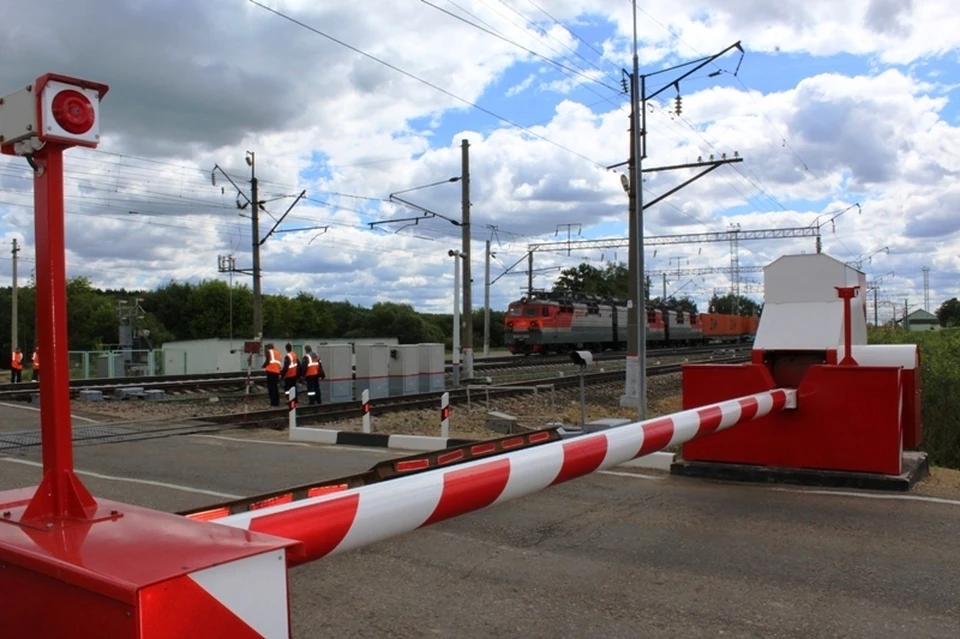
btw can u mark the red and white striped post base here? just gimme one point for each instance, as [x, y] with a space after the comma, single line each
[338, 522]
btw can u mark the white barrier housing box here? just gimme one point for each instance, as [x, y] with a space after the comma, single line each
[802, 310]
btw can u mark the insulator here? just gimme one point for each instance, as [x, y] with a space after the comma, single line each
[678, 104]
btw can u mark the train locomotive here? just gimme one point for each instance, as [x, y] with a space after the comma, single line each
[560, 322]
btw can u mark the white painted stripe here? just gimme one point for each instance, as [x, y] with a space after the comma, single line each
[84, 419]
[314, 435]
[417, 442]
[131, 480]
[623, 444]
[252, 441]
[634, 475]
[658, 461]
[533, 471]
[254, 589]
[843, 493]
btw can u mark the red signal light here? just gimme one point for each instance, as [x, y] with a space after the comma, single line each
[73, 111]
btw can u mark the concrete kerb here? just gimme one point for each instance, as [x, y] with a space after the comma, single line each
[421, 443]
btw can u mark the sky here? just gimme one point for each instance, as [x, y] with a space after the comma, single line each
[832, 107]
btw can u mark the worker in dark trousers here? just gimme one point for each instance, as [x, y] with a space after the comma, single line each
[311, 369]
[16, 366]
[271, 365]
[291, 369]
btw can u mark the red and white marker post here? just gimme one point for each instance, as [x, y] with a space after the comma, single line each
[445, 415]
[365, 406]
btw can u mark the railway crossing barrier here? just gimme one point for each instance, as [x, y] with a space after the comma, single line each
[224, 572]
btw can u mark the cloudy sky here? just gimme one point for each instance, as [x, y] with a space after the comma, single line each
[830, 105]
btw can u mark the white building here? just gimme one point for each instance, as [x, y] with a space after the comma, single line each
[215, 355]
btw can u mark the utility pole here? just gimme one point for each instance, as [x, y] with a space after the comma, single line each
[569, 228]
[13, 300]
[467, 278]
[636, 383]
[255, 215]
[926, 288]
[530, 274]
[457, 256]
[663, 298]
[486, 304]
[735, 267]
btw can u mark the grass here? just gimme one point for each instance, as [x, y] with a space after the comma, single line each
[939, 386]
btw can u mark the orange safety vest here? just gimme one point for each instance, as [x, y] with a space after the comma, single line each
[313, 365]
[273, 361]
[17, 364]
[292, 367]
[36, 361]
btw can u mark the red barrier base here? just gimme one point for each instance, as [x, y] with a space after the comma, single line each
[848, 420]
[132, 572]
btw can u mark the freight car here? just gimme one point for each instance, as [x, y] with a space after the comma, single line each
[550, 322]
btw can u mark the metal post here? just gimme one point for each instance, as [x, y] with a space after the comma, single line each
[13, 300]
[255, 215]
[456, 318]
[486, 304]
[583, 414]
[445, 415]
[365, 406]
[530, 274]
[664, 297]
[60, 493]
[467, 277]
[876, 322]
[636, 382]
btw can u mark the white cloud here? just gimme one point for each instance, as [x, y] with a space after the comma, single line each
[201, 84]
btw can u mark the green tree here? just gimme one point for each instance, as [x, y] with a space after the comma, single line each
[949, 313]
[612, 281]
[728, 303]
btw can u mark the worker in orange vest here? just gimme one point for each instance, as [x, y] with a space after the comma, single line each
[271, 365]
[16, 366]
[291, 369]
[36, 364]
[311, 369]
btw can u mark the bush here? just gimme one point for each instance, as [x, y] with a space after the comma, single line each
[939, 386]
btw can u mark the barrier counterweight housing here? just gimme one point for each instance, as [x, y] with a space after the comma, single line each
[353, 518]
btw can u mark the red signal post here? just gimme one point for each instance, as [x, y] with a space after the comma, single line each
[73, 566]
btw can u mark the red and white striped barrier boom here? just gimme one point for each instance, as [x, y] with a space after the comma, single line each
[343, 521]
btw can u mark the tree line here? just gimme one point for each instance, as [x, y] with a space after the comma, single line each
[208, 309]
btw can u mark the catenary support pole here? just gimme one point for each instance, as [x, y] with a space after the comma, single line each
[342, 521]
[486, 303]
[255, 215]
[456, 319]
[467, 276]
[14, 338]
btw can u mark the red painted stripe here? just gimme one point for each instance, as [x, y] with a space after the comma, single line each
[539, 437]
[470, 489]
[748, 408]
[319, 527]
[581, 456]
[710, 419]
[482, 449]
[779, 400]
[413, 464]
[450, 457]
[656, 436]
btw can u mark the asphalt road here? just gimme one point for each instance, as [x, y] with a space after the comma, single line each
[610, 555]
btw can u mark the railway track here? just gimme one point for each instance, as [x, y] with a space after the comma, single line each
[187, 385]
[306, 414]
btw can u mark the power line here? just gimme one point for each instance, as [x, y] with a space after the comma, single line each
[425, 82]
